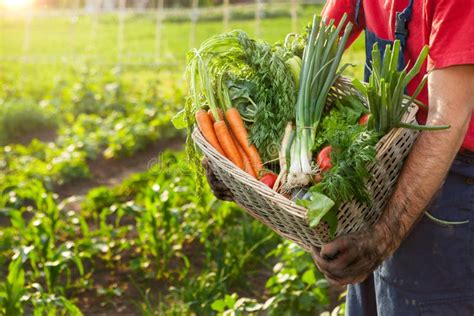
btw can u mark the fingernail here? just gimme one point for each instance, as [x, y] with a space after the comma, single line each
[330, 257]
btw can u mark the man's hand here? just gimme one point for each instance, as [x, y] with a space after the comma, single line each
[218, 188]
[350, 259]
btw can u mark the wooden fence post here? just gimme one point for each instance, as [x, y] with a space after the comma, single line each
[159, 28]
[226, 14]
[294, 15]
[121, 31]
[27, 35]
[74, 19]
[194, 19]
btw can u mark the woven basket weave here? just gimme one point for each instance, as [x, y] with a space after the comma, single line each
[288, 219]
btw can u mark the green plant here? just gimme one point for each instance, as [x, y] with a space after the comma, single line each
[20, 118]
[295, 288]
[13, 289]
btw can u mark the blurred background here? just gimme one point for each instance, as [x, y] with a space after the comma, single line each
[98, 208]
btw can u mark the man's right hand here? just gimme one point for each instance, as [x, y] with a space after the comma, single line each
[219, 189]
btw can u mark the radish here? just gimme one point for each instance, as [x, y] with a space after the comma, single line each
[324, 158]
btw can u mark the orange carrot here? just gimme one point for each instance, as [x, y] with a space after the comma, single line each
[247, 164]
[225, 139]
[221, 115]
[237, 126]
[205, 125]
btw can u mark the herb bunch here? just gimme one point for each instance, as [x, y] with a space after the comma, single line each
[263, 66]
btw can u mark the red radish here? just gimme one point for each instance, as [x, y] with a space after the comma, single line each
[269, 179]
[318, 178]
[364, 119]
[324, 158]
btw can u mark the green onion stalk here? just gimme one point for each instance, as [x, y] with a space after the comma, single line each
[321, 58]
[385, 91]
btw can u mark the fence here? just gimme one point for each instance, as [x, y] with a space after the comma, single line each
[85, 33]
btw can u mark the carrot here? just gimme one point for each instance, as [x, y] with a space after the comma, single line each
[205, 125]
[225, 139]
[221, 115]
[237, 125]
[247, 165]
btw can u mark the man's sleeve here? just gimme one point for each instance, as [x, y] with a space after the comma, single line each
[451, 37]
[335, 9]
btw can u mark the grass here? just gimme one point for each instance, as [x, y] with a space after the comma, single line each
[94, 40]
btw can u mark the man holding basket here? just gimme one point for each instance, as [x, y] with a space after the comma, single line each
[419, 257]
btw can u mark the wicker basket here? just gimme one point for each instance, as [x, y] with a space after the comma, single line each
[288, 219]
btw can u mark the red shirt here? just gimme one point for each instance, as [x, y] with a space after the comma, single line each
[445, 25]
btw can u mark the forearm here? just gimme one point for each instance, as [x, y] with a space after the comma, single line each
[422, 177]
[425, 168]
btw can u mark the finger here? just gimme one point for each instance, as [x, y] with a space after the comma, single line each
[315, 252]
[333, 273]
[209, 173]
[341, 267]
[223, 196]
[218, 186]
[322, 264]
[214, 181]
[316, 262]
[355, 273]
[205, 162]
[344, 260]
[331, 250]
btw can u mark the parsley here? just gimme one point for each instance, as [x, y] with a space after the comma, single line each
[353, 151]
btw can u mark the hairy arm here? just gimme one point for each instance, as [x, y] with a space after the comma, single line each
[351, 258]
[451, 99]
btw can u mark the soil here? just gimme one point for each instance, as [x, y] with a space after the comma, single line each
[120, 294]
[124, 281]
[44, 135]
[111, 172]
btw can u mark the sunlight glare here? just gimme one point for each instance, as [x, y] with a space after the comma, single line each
[16, 4]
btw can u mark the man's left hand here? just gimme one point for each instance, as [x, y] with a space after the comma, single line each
[350, 259]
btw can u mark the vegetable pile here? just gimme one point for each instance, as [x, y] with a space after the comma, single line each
[275, 113]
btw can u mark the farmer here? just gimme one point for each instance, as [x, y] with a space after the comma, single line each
[419, 257]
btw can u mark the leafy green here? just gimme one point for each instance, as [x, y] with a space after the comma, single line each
[346, 112]
[353, 152]
[242, 92]
[248, 63]
[179, 120]
[318, 205]
[331, 219]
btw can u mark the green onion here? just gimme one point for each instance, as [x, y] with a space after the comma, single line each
[386, 87]
[321, 59]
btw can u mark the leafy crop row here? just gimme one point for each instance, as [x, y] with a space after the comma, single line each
[106, 115]
[210, 255]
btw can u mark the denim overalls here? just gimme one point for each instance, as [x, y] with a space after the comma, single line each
[432, 273]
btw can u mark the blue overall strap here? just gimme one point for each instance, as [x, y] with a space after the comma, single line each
[401, 25]
[357, 10]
